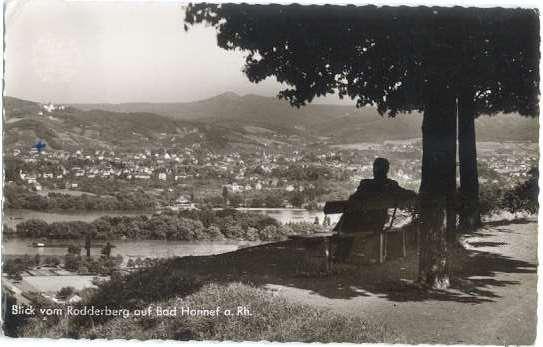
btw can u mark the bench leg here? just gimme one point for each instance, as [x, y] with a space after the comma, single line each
[385, 246]
[404, 246]
[381, 247]
[327, 253]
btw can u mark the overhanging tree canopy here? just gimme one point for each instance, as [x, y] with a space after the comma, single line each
[400, 59]
[385, 55]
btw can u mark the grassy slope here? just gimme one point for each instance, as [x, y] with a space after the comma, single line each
[273, 319]
[211, 281]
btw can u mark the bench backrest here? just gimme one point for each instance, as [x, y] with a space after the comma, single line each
[372, 201]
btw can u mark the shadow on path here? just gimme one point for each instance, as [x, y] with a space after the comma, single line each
[487, 244]
[473, 272]
[504, 222]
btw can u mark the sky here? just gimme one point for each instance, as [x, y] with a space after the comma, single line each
[124, 51]
[113, 52]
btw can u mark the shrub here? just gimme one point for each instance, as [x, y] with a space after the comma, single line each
[214, 233]
[251, 234]
[233, 231]
[130, 263]
[520, 198]
[523, 197]
[72, 262]
[14, 267]
[270, 233]
[65, 293]
[52, 260]
[490, 197]
[32, 228]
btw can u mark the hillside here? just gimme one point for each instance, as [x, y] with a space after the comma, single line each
[341, 124]
[232, 110]
[70, 128]
[224, 122]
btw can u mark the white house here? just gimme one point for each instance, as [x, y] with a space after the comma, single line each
[143, 177]
[236, 187]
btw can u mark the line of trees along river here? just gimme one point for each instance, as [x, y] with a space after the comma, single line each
[183, 226]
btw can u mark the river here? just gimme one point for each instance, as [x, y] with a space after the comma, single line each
[128, 248]
[140, 248]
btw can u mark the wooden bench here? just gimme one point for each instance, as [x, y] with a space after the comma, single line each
[373, 201]
[317, 248]
[376, 201]
[320, 245]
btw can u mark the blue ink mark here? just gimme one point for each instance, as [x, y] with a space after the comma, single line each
[40, 145]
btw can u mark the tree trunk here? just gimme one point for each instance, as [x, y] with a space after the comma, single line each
[470, 217]
[452, 205]
[88, 245]
[437, 183]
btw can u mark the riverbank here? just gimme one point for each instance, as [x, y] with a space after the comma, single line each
[126, 248]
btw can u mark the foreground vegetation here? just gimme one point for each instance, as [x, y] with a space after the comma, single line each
[273, 318]
[169, 284]
[521, 198]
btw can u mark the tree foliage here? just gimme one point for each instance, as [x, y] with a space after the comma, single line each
[65, 292]
[385, 56]
[190, 225]
[18, 196]
[400, 59]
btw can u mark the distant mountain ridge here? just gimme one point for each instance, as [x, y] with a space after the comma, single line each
[232, 109]
[339, 123]
[225, 122]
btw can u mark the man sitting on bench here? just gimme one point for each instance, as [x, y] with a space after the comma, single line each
[359, 217]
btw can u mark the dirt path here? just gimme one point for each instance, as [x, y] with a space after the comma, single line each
[495, 303]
